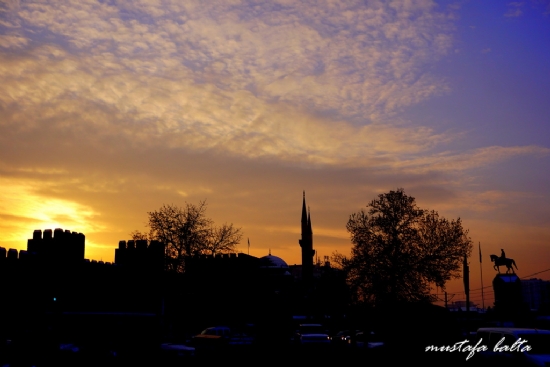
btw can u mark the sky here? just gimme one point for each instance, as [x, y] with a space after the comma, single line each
[111, 109]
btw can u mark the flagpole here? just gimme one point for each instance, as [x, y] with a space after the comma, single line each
[481, 271]
[249, 245]
[466, 279]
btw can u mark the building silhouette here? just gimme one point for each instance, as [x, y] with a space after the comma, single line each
[536, 293]
[53, 292]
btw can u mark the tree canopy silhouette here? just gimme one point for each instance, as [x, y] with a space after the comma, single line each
[400, 251]
[187, 231]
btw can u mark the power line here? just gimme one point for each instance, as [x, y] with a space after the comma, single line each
[538, 272]
[478, 291]
[527, 276]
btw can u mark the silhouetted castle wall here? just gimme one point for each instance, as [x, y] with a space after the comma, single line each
[214, 288]
[137, 254]
[52, 278]
[53, 275]
[233, 265]
[52, 293]
[59, 246]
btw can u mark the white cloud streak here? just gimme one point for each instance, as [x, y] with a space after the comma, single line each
[249, 77]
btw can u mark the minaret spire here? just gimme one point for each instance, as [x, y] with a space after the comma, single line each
[306, 243]
[309, 231]
[304, 215]
[304, 211]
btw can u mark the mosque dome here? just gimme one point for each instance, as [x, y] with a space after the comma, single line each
[272, 262]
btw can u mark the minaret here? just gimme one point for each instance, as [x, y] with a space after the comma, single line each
[306, 243]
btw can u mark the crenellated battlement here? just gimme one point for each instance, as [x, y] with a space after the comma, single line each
[58, 245]
[52, 275]
[140, 254]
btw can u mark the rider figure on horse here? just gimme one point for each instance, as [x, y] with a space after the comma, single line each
[503, 261]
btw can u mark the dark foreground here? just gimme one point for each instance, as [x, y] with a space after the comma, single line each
[249, 355]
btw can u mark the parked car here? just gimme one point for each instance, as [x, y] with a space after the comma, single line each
[174, 354]
[212, 338]
[341, 338]
[514, 346]
[241, 339]
[311, 334]
[215, 332]
[368, 340]
[177, 350]
[221, 337]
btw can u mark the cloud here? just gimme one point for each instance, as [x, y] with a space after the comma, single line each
[485, 201]
[225, 67]
[513, 13]
[12, 41]
[514, 9]
[293, 82]
[456, 162]
[22, 207]
[64, 92]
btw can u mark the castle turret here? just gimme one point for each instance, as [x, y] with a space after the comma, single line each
[60, 246]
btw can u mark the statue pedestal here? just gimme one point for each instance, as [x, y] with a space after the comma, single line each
[507, 289]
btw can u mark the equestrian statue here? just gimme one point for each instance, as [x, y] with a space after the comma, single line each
[503, 261]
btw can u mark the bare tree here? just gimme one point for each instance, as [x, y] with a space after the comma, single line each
[223, 239]
[137, 235]
[187, 231]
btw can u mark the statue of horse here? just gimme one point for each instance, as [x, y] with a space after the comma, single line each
[503, 262]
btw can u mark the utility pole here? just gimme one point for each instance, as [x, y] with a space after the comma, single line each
[481, 271]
